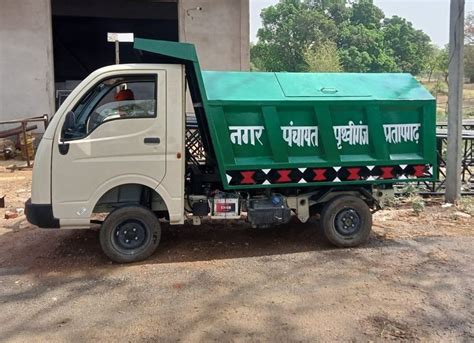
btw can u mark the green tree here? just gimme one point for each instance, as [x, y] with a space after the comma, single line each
[433, 64]
[337, 10]
[469, 62]
[324, 58]
[366, 41]
[406, 45]
[443, 63]
[288, 29]
[469, 28]
[362, 50]
[469, 47]
[367, 14]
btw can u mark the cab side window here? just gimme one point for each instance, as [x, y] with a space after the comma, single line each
[117, 98]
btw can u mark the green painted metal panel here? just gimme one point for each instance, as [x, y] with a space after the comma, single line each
[325, 127]
[258, 86]
[368, 136]
[323, 85]
[376, 134]
[277, 144]
[222, 141]
[310, 129]
[184, 51]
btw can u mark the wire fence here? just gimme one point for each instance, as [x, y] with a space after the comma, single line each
[467, 161]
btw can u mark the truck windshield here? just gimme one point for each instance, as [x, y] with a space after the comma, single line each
[122, 97]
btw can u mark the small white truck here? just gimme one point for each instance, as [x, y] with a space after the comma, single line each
[264, 145]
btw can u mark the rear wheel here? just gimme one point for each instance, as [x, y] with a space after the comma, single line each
[347, 221]
[130, 234]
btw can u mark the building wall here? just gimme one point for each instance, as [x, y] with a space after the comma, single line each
[26, 63]
[220, 31]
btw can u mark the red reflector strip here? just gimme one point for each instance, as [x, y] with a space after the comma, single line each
[387, 172]
[284, 176]
[353, 173]
[319, 174]
[419, 171]
[247, 177]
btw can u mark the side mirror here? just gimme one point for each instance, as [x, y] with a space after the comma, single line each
[68, 127]
[69, 121]
[69, 124]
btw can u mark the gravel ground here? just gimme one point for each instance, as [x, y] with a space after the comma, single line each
[412, 281]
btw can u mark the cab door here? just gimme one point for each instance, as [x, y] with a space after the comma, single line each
[114, 134]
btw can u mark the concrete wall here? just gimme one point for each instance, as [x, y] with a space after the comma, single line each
[220, 31]
[26, 61]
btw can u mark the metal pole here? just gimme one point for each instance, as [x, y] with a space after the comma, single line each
[456, 75]
[45, 121]
[117, 52]
[25, 143]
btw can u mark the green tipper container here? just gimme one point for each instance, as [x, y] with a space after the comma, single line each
[309, 129]
[298, 129]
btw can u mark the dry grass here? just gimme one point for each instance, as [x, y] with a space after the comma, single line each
[466, 204]
[439, 89]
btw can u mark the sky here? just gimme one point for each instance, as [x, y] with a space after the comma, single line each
[431, 16]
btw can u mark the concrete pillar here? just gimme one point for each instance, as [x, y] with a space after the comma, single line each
[26, 59]
[244, 35]
[456, 75]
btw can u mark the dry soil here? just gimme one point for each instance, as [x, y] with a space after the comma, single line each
[412, 281]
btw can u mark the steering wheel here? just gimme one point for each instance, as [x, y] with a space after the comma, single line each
[91, 122]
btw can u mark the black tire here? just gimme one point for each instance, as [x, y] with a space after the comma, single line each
[130, 234]
[347, 221]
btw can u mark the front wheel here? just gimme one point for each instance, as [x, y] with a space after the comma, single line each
[130, 234]
[347, 221]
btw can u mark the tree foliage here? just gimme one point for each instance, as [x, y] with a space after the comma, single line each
[469, 29]
[437, 62]
[360, 37]
[289, 29]
[367, 14]
[469, 47]
[469, 62]
[323, 59]
[362, 50]
[409, 47]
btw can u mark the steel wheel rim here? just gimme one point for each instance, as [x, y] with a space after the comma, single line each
[130, 235]
[347, 222]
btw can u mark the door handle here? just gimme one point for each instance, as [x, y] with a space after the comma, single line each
[152, 140]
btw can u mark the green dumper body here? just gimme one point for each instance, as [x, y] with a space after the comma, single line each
[310, 129]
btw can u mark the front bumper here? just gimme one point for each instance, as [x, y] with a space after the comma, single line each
[41, 215]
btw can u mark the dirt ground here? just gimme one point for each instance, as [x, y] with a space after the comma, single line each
[413, 281]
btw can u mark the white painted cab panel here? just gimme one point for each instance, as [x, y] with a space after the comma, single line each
[115, 153]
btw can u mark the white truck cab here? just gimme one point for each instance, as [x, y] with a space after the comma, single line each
[119, 135]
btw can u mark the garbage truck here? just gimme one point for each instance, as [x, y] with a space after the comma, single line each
[267, 147]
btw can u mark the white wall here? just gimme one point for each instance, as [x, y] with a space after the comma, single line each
[26, 61]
